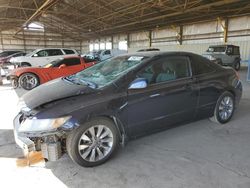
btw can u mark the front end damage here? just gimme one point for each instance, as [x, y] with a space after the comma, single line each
[51, 143]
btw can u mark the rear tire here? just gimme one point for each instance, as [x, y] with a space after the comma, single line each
[14, 83]
[224, 108]
[93, 143]
[236, 65]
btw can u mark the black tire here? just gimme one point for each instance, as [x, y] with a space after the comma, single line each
[74, 139]
[14, 83]
[217, 114]
[236, 65]
[24, 82]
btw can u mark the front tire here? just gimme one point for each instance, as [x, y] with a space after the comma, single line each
[93, 143]
[28, 81]
[224, 108]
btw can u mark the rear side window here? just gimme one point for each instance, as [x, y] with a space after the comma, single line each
[236, 51]
[68, 51]
[71, 61]
[201, 65]
[107, 52]
[54, 52]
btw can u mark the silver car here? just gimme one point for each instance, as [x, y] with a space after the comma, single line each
[226, 55]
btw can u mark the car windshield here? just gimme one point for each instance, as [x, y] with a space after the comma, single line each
[217, 49]
[107, 71]
[53, 63]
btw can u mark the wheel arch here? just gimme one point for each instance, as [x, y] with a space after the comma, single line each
[119, 125]
[25, 63]
[117, 122]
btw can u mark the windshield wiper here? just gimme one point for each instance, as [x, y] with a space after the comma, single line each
[81, 81]
[89, 83]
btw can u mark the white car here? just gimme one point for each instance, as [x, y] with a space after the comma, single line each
[41, 57]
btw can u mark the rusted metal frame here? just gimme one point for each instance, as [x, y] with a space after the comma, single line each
[138, 18]
[35, 3]
[193, 3]
[58, 30]
[7, 9]
[69, 27]
[81, 14]
[20, 5]
[120, 11]
[46, 5]
[176, 13]
[180, 21]
[146, 15]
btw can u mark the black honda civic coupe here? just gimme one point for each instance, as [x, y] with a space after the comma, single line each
[90, 114]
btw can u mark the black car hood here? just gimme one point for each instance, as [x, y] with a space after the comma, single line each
[54, 90]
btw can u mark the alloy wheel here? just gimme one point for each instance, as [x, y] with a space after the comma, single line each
[95, 143]
[226, 108]
[28, 81]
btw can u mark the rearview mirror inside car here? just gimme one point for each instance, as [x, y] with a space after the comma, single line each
[138, 83]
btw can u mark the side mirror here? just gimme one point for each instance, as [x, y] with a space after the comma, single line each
[138, 83]
[35, 55]
[62, 66]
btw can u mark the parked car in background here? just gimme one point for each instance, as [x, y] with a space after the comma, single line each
[226, 55]
[5, 55]
[6, 59]
[102, 55]
[41, 57]
[30, 77]
[148, 49]
[89, 114]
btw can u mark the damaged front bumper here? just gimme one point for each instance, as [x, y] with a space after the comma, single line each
[25, 143]
[48, 143]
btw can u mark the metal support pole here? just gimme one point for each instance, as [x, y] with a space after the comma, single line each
[112, 42]
[225, 30]
[24, 42]
[150, 38]
[128, 41]
[181, 34]
[2, 41]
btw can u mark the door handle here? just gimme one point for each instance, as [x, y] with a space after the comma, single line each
[154, 95]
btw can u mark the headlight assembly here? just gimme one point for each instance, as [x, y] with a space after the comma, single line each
[41, 125]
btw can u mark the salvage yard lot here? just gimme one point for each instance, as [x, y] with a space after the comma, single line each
[200, 154]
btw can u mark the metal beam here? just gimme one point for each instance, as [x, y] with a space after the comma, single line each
[46, 5]
[217, 3]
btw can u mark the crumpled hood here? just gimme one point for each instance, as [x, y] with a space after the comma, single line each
[54, 90]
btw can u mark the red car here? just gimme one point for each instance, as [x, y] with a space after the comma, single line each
[30, 77]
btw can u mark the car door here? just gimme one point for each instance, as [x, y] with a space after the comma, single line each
[40, 58]
[72, 65]
[209, 81]
[170, 97]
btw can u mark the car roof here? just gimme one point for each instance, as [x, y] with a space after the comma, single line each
[158, 53]
[223, 45]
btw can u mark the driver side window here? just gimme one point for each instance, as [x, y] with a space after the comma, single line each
[166, 69]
